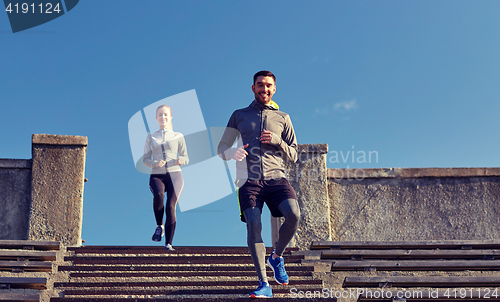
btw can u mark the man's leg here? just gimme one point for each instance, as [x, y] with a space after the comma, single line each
[290, 210]
[255, 243]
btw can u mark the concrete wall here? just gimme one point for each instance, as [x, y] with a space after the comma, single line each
[308, 178]
[42, 198]
[391, 204]
[58, 174]
[415, 204]
[15, 190]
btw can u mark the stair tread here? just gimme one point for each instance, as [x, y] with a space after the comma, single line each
[243, 290]
[162, 283]
[160, 250]
[205, 298]
[177, 274]
[411, 244]
[178, 268]
[170, 260]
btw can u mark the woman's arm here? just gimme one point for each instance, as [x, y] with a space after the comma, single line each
[183, 158]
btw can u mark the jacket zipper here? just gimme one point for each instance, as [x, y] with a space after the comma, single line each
[261, 153]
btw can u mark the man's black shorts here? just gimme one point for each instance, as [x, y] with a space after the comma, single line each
[254, 193]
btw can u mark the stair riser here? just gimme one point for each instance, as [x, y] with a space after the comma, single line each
[167, 260]
[195, 291]
[291, 268]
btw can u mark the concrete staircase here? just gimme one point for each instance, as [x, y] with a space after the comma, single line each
[436, 270]
[428, 270]
[135, 273]
[28, 269]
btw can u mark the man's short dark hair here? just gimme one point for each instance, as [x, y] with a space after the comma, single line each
[264, 73]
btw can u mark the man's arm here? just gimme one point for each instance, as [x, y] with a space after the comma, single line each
[225, 148]
[287, 142]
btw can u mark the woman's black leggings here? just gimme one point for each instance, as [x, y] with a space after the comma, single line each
[171, 183]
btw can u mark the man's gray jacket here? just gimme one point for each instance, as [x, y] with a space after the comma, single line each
[264, 161]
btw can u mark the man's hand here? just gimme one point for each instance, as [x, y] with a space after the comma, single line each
[179, 161]
[241, 153]
[161, 163]
[266, 137]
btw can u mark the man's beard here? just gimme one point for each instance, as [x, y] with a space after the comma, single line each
[262, 99]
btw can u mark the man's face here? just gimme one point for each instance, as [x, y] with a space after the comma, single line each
[264, 89]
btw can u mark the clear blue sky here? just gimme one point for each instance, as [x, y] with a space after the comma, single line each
[416, 81]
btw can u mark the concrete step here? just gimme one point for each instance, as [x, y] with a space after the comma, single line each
[205, 298]
[30, 245]
[19, 297]
[177, 274]
[152, 250]
[165, 288]
[146, 260]
[174, 270]
[132, 273]
[172, 284]
[412, 244]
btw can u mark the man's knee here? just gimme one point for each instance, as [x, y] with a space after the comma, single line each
[252, 214]
[253, 218]
[290, 210]
[293, 218]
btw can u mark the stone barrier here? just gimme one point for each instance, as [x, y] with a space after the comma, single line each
[58, 173]
[15, 190]
[415, 204]
[42, 198]
[308, 177]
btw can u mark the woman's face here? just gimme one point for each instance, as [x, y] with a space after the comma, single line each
[163, 116]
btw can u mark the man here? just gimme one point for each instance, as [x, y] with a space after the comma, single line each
[265, 140]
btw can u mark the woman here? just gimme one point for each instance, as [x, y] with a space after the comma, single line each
[165, 151]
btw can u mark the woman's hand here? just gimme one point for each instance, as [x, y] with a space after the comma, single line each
[161, 163]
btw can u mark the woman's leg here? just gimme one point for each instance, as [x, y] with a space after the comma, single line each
[174, 188]
[158, 189]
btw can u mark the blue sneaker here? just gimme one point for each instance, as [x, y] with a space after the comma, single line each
[278, 267]
[159, 232]
[263, 291]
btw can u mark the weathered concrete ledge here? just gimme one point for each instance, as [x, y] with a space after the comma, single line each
[62, 140]
[415, 204]
[7, 163]
[313, 148]
[412, 172]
